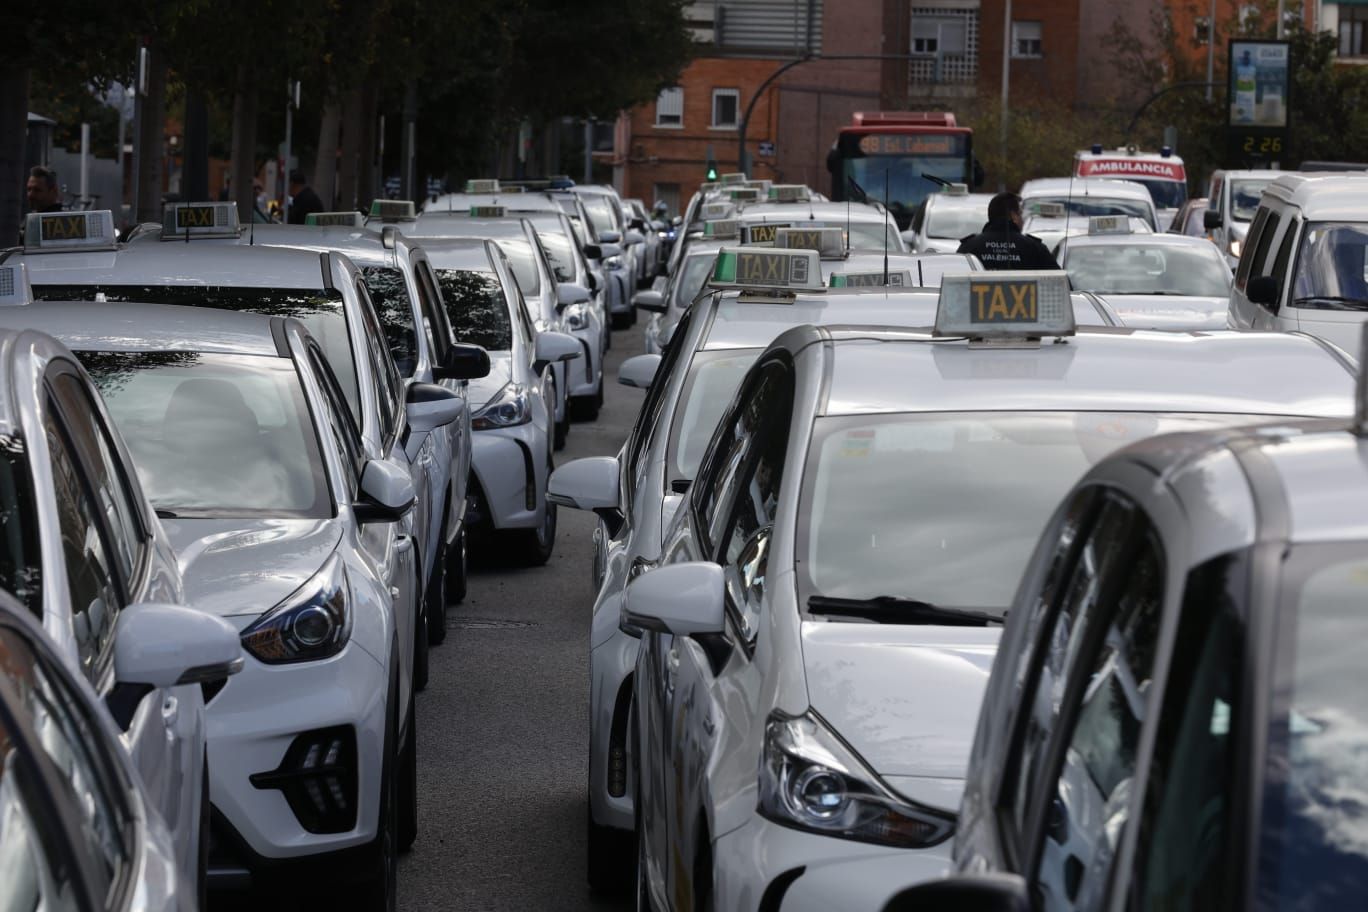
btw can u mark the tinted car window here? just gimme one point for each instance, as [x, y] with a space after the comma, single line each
[21, 567]
[390, 294]
[524, 262]
[476, 307]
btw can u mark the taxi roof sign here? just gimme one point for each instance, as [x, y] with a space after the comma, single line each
[762, 234]
[1109, 224]
[1052, 210]
[181, 221]
[956, 190]
[1005, 305]
[732, 177]
[788, 193]
[762, 184]
[720, 228]
[48, 231]
[708, 186]
[14, 285]
[490, 185]
[828, 242]
[767, 272]
[393, 210]
[719, 210]
[744, 194]
[894, 278]
[351, 218]
[488, 211]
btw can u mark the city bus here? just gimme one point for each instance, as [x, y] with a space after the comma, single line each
[917, 152]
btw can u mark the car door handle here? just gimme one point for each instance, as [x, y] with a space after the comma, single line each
[170, 711]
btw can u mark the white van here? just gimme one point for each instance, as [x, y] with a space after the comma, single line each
[1232, 197]
[1305, 263]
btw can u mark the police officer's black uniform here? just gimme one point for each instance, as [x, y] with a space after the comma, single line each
[1001, 245]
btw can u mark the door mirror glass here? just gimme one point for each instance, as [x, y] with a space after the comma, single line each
[386, 492]
[162, 645]
[634, 237]
[610, 237]
[585, 484]
[653, 301]
[680, 599]
[553, 347]
[430, 406]
[610, 250]
[568, 293]
[464, 361]
[639, 371]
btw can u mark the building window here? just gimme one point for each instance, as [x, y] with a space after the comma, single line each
[724, 108]
[1026, 39]
[944, 46]
[670, 108]
[1201, 31]
[1353, 31]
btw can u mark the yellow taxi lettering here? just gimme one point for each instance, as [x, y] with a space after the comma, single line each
[997, 305]
[195, 217]
[1023, 302]
[64, 228]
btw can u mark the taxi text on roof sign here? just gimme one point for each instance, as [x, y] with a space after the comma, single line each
[1052, 210]
[92, 230]
[720, 228]
[487, 211]
[347, 219]
[717, 210]
[184, 220]
[1109, 224]
[828, 242]
[733, 177]
[788, 193]
[482, 186]
[708, 186]
[744, 195]
[761, 234]
[897, 278]
[766, 270]
[1005, 305]
[393, 210]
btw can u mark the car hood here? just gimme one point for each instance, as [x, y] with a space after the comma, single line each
[905, 697]
[240, 566]
[1172, 312]
[487, 387]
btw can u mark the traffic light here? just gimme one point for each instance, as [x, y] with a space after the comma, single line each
[712, 170]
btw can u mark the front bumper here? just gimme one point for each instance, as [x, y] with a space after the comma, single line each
[254, 720]
[772, 868]
[611, 666]
[510, 466]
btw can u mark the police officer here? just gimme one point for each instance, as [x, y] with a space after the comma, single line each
[1001, 245]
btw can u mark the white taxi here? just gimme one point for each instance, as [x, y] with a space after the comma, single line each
[944, 219]
[818, 640]
[1088, 196]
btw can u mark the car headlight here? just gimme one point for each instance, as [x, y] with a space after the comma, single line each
[576, 316]
[1235, 247]
[508, 408]
[613, 262]
[810, 780]
[313, 623]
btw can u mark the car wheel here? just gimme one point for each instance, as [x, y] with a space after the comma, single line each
[420, 648]
[702, 876]
[562, 429]
[538, 543]
[586, 408]
[407, 790]
[609, 850]
[643, 889]
[202, 872]
[378, 889]
[622, 320]
[457, 568]
[435, 598]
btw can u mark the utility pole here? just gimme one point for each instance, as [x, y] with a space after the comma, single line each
[409, 139]
[1211, 48]
[291, 102]
[1006, 87]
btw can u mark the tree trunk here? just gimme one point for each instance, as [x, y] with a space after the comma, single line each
[368, 181]
[352, 116]
[244, 144]
[151, 140]
[325, 165]
[195, 175]
[14, 83]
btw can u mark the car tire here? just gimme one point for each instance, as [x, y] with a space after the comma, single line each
[421, 665]
[537, 544]
[608, 853]
[643, 891]
[703, 876]
[435, 596]
[407, 789]
[586, 408]
[458, 569]
[202, 871]
[622, 320]
[377, 890]
[562, 429]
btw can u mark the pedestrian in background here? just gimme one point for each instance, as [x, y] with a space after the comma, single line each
[303, 200]
[1002, 245]
[43, 193]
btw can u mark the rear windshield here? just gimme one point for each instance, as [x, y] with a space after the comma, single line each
[476, 307]
[320, 310]
[389, 292]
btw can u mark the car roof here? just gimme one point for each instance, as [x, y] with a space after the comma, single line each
[1324, 195]
[460, 225]
[460, 203]
[459, 253]
[1142, 240]
[1085, 186]
[937, 264]
[1117, 370]
[364, 246]
[182, 263]
[132, 327]
[816, 210]
[959, 200]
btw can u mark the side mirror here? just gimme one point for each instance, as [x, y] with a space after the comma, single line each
[634, 237]
[638, 371]
[161, 645]
[610, 237]
[910, 237]
[593, 251]
[653, 301]
[964, 893]
[1262, 290]
[429, 406]
[680, 599]
[589, 484]
[1211, 219]
[638, 224]
[677, 221]
[610, 250]
[463, 361]
[386, 492]
[568, 293]
[553, 347]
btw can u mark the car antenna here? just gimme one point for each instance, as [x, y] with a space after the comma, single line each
[847, 233]
[885, 277]
[251, 229]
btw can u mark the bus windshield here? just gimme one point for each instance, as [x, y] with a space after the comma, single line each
[904, 167]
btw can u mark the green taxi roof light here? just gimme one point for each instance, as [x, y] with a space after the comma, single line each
[767, 272]
[393, 210]
[343, 219]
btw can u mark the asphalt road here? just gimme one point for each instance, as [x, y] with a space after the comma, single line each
[504, 722]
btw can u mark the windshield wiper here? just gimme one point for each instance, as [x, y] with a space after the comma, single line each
[892, 609]
[1331, 302]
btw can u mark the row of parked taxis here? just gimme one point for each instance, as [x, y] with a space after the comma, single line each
[927, 587]
[242, 465]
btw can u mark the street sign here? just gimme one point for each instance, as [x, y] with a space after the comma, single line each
[766, 148]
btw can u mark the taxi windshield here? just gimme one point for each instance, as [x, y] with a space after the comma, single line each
[955, 222]
[389, 293]
[215, 434]
[713, 379]
[600, 213]
[893, 505]
[1090, 206]
[476, 308]
[1314, 840]
[560, 253]
[21, 562]
[691, 279]
[322, 312]
[521, 255]
[1147, 270]
[1244, 197]
[1332, 270]
[875, 235]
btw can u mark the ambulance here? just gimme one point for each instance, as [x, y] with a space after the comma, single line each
[1162, 174]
